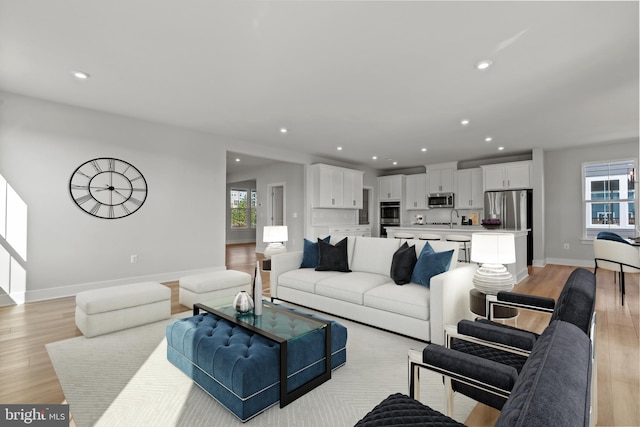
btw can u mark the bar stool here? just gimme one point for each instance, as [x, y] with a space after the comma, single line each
[427, 236]
[403, 236]
[465, 243]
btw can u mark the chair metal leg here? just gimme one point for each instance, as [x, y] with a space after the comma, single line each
[414, 381]
[449, 396]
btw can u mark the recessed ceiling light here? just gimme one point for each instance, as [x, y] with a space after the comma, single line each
[395, 163]
[237, 160]
[483, 65]
[488, 139]
[500, 148]
[283, 130]
[423, 149]
[80, 75]
[465, 122]
[375, 157]
[339, 148]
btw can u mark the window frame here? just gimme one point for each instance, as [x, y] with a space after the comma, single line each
[625, 227]
[251, 197]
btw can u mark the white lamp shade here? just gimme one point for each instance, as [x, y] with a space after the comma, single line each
[275, 233]
[493, 248]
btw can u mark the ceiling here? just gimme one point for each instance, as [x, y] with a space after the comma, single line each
[377, 78]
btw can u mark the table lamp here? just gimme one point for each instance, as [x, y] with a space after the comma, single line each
[275, 235]
[492, 250]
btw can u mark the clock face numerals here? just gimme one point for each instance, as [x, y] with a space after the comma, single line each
[108, 188]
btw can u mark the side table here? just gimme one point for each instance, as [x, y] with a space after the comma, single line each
[478, 306]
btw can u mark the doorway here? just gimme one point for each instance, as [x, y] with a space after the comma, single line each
[275, 204]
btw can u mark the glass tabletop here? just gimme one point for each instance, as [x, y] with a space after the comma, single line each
[276, 322]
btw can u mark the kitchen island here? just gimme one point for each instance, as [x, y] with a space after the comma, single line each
[519, 269]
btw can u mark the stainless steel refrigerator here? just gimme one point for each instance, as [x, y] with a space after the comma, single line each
[513, 209]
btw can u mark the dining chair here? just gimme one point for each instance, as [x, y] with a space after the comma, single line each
[618, 256]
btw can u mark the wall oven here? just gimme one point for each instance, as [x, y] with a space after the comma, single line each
[389, 216]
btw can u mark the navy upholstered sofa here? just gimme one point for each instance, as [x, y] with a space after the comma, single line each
[553, 388]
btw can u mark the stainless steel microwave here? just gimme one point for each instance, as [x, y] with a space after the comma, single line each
[440, 200]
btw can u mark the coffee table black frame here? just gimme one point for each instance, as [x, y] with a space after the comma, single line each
[247, 321]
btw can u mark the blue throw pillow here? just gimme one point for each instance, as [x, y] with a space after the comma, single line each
[429, 265]
[426, 249]
[608, 235]
[310, 253]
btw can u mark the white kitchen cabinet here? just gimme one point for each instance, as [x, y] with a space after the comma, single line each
[390, 187]
[350, 230]
[416, 191]
[440, 180]
[352, 185]
[507, 176]
[330, 188]
[470, 194]
[335, 187]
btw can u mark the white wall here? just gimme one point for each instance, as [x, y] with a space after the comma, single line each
[563, 198]
[291, 175]
[294, 176]
[179, 228]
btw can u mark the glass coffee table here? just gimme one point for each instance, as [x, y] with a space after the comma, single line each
[270, 325]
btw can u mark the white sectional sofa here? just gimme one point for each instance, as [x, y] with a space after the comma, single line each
[369, 295]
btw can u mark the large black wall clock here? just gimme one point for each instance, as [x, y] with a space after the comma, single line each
[108, 188]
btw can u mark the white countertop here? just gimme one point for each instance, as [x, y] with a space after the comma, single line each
[456, 228]
[444, 227]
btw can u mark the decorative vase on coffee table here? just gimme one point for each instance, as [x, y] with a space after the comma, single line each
[257, 291]
[243, 303]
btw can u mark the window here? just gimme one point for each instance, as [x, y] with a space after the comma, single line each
[13, 240]
[243, 208]
[609, 198]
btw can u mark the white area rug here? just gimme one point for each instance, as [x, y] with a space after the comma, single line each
[124, 379]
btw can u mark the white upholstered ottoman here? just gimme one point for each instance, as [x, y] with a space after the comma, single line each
[105, 310]
[213, 285]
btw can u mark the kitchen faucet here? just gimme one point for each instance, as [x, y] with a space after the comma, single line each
[451, 217]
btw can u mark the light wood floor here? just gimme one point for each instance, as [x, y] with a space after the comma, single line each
[27, 376]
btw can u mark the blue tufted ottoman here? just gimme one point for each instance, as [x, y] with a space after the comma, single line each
[240, 368]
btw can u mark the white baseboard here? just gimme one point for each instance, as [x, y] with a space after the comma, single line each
[538, 263]
[71, 290]
[572, 262]
[522, 275]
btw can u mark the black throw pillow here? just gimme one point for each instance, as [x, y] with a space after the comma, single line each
[404, 259]
[333, 258]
